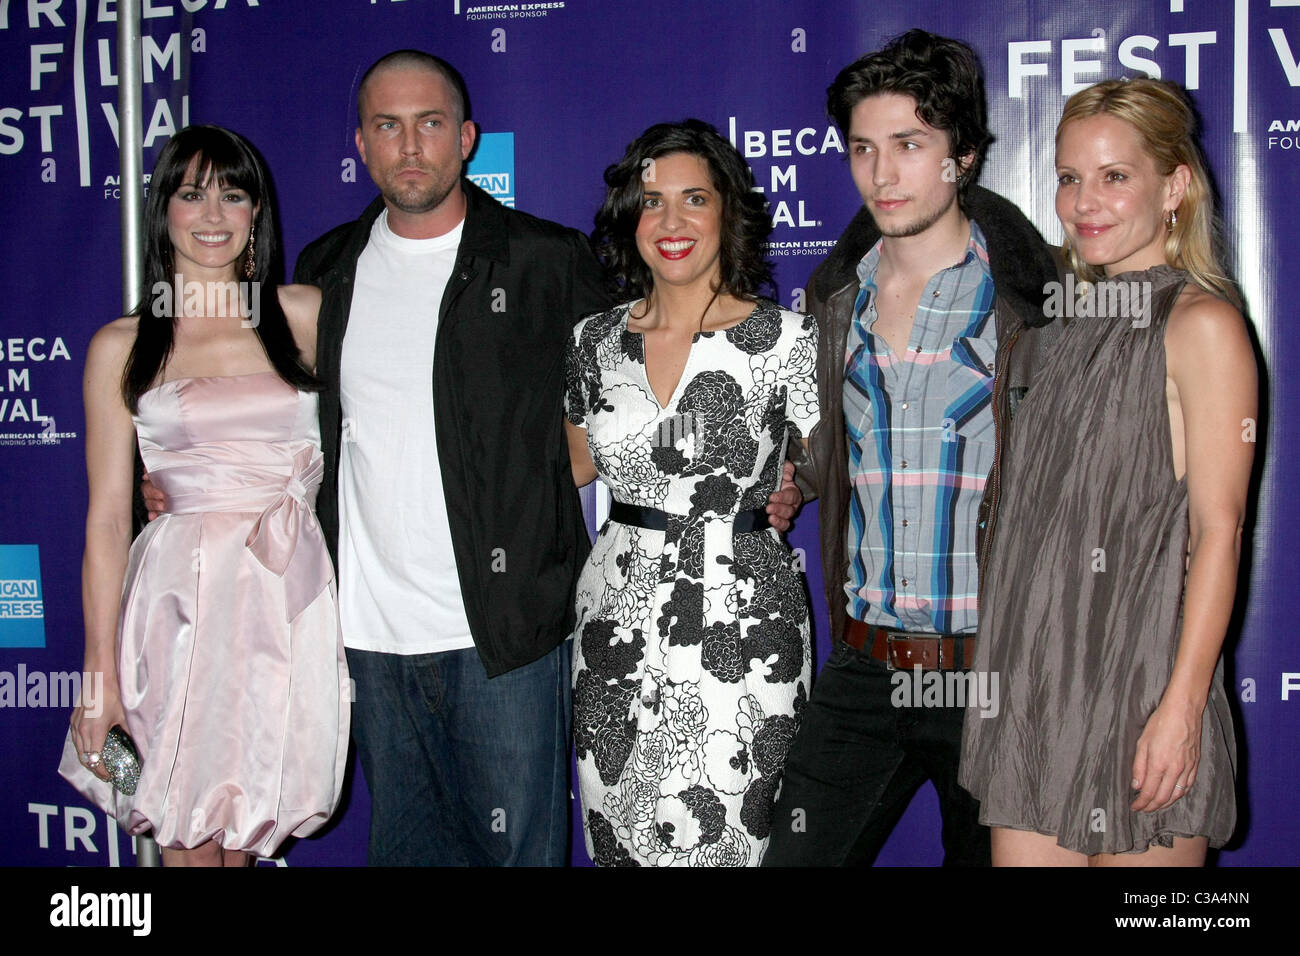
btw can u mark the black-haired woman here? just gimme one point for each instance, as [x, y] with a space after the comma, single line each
[216, 631]
[691, 654]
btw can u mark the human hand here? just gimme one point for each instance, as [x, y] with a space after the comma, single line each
[154, 500]
[90, 725]
[782, 504]
[1168, 753]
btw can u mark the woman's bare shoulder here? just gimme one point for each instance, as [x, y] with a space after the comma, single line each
[1201, 317]
[112, 343]
[1206, 338]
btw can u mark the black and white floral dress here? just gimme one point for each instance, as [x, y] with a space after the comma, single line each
[691, 650]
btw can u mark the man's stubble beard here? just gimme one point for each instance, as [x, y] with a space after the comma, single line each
[916, 227]
[414, 199]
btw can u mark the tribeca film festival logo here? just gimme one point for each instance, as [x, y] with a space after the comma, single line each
[782, 179]
[17, 403]
[97, 834]
[775, 156]
[1186, 55]
[67, 55]
[211, 299]
[1099, 300]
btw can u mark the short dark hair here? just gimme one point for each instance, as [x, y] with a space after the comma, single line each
[418, 59]
[745, 223]
[943, 77]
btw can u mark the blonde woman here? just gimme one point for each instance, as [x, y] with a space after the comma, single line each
[1113, 563]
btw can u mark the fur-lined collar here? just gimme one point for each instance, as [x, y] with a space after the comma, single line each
[1021, 262]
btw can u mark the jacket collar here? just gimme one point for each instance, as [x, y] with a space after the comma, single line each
[484, 233]
[357, 238]
[1021, 262]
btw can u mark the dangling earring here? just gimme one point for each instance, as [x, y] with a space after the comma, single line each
[250, 258]
[1171, 219]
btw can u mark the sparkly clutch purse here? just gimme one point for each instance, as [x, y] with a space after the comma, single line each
[121, 760]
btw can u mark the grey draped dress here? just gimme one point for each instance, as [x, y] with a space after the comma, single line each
[1081, 602]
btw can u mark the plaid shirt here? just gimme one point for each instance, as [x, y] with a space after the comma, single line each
[920, 433]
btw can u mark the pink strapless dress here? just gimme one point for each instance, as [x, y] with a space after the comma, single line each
[230, 659]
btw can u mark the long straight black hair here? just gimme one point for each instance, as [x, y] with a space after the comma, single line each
[228, 160]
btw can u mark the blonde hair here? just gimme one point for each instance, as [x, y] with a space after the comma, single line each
[1164, 121]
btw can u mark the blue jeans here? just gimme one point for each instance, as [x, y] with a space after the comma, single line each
[463, 770]
[855, 764]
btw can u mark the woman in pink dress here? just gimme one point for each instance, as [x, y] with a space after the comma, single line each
[216, 631]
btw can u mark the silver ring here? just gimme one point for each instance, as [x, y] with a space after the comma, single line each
[93, 758]
[1179, 786]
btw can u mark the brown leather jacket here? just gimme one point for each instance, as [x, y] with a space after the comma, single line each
[1022, 265]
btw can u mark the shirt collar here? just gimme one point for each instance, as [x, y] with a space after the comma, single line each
[976, 251]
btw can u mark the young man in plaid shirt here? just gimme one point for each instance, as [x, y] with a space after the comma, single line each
[918, 306]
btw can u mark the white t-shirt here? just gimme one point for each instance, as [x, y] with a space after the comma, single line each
[398, 588]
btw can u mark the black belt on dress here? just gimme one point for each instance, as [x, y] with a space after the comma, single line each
[654, 520]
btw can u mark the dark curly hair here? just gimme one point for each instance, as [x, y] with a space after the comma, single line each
[745, 222]
[940, 74]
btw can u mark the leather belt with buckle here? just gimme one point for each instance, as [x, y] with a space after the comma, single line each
[901, 650]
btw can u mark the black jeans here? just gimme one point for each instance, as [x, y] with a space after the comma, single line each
[855, 765]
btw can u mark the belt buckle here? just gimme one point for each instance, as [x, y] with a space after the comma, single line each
[900, 636]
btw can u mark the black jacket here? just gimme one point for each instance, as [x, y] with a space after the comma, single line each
[519, 285]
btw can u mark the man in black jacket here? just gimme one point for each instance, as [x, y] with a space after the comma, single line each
[448, 501]
[926, 292]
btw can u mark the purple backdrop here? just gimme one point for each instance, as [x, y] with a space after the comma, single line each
[571, 83]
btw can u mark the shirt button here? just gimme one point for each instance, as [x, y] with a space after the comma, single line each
[904, 582]
[904, 463]
[935, 294]
[905, 405]
[904, 522]
[990, 366]
[918, 348]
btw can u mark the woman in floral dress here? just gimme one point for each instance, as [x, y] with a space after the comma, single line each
[691, 649]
